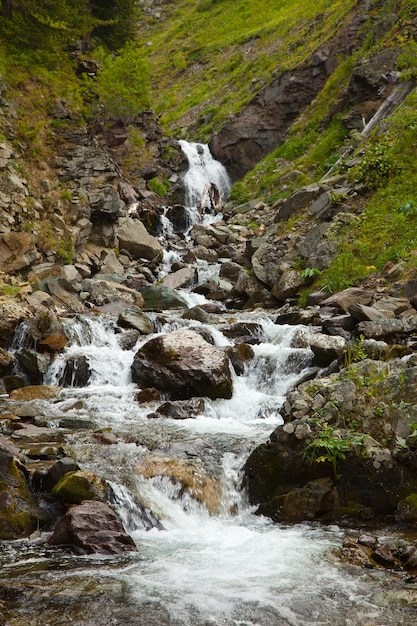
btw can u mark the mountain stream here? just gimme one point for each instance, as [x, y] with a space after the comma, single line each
[203, 557]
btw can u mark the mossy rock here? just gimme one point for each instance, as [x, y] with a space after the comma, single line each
[74, 487]
[19, 514]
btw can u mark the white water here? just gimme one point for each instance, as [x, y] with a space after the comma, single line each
[203, 172]
[231, 567]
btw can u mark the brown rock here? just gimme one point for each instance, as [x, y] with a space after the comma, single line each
[93, 527]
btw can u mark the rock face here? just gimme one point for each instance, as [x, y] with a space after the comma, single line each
[182, 364]
[247, 138]
[93, 527]
[373, 474]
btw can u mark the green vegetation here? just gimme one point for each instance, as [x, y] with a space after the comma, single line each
[209, 58]
[123, 82]
[331, 445]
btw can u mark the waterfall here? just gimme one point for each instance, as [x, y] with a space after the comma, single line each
[206, 180]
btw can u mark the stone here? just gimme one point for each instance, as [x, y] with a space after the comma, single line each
[184, 365]
[17, 252]
[75, 486]
[111, 265]
[133, 317]
[156, 297]
[76, 372]
[362, 313]
[19, 515]
[326, 348]
[57, 471]
[94, 527]
[289, 285]
[180, 409]
[35, 392]
[387, 329]
[134, 238]
[184, 277]
[344, 299]
[34, 364]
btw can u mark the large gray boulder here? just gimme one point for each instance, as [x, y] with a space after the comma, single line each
[183, 365]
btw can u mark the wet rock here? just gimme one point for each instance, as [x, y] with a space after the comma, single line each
[94, 527]
[19, 515]
[128, 339]
[247, 332]
[34, 365]
[383, 556]
[77, 372]
[239, 356]
[11, 315]
[156, 297]
[311, 502]
[57, 471]
[179, 218]
[190, 475]
[133, 317]
[184, 365]
[180, 409]
[76, 486]
[35, 392]
[196, 313]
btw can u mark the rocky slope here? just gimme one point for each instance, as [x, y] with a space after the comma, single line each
[79, 235]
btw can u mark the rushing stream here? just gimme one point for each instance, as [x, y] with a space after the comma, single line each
[203, 557]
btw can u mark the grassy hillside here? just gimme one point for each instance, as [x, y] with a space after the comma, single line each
[206, 60]
[210, 57]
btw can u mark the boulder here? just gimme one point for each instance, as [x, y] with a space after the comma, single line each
[182, 364]
[327, 348]
[19, 515]
[35, 392]
[76, 372]
[17, 252]
[35, 365]
[183, 277]
[75, 486]
[344, 299]
[387, 329]
[134, 238]
[180, 409]
[11, 315]
[94, 527]
[156, 297]
[133, 317]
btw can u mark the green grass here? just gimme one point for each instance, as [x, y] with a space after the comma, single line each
[211, 57]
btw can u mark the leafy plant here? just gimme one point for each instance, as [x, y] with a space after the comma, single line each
[330, 445]
[310, 272]
[355, 352]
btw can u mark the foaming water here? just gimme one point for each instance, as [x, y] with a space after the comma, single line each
[204, 558]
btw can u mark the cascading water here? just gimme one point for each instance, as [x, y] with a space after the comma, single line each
[203, 558]
[206, 182]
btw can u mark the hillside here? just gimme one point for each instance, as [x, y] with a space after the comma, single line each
[281, 90]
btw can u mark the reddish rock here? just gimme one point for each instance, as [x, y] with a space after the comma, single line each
[93, 527]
